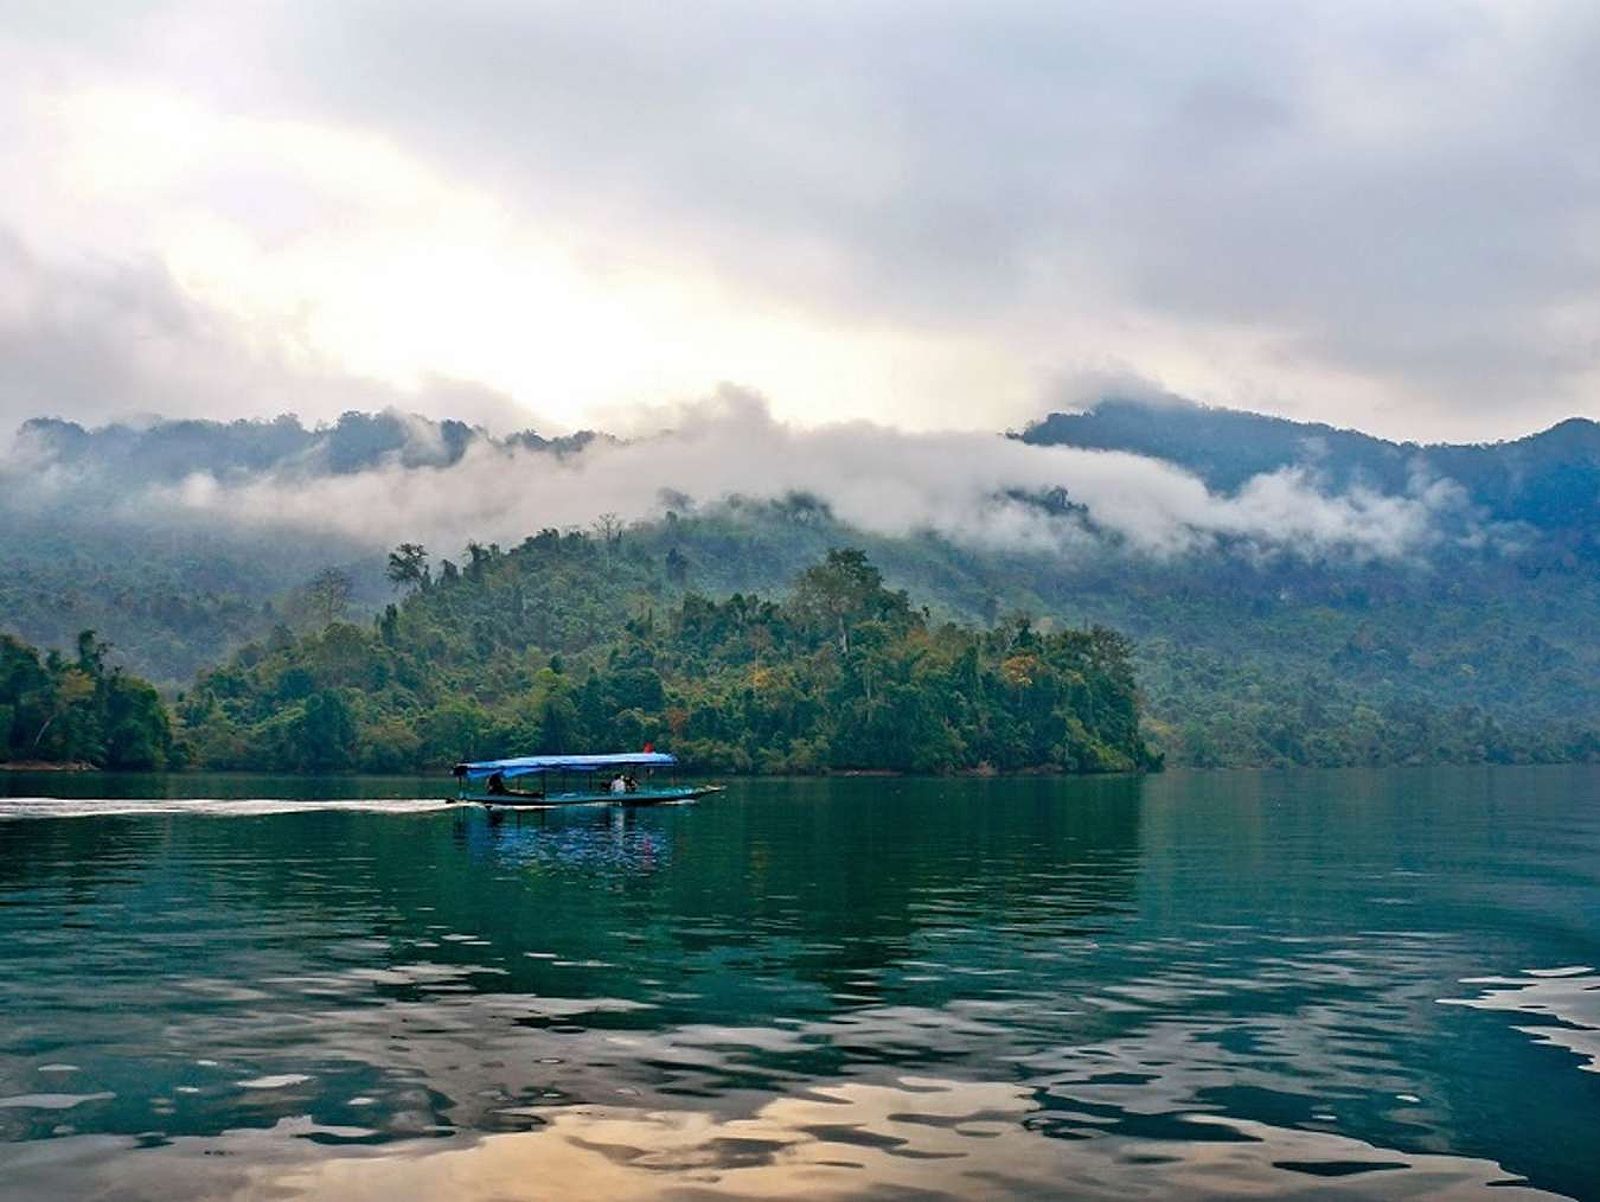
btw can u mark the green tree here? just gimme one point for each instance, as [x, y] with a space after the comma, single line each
[841, 592]
[57, 710]
[408, 567]
[327, 733]
[536, 649]
[328, 596]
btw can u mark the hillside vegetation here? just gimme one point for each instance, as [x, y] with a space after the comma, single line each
[1480, 643]
[538, 650]
[1249, 662]
[92, 538]
[75, 709]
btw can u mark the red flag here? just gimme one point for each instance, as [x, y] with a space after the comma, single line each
[649, 748]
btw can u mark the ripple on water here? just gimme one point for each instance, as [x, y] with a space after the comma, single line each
[50, 1101]
[913, 1137]
[1565, 1002]
[275, 1081]
[755, 1001]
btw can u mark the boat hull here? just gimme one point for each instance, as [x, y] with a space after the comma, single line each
[640, 797]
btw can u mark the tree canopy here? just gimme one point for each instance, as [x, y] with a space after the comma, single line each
[538, 650]
[75, 709]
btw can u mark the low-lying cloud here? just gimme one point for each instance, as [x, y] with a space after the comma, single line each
[978, 490]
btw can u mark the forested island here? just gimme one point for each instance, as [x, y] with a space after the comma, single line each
[538, 650]
[577, 642]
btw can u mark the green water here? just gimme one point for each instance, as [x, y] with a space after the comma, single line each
[1356, 985]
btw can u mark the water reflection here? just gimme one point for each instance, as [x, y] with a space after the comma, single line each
[1202, 985]
[1560, 1006]
[593, 839]
[912, 1138]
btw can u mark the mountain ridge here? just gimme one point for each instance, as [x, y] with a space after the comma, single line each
[1549, 479]
[1231, 640]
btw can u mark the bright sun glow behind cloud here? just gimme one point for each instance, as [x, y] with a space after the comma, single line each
[930, 216]
[338, 249]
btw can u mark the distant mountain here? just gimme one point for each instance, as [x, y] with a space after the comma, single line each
[166, 450]
[1549, 481]
[174, 591]
[1482, 642]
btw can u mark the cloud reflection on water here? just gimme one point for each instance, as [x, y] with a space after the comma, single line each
[1565, 1001]
[913, 1137]
[1189, 986]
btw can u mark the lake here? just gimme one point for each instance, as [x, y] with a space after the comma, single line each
[1354, 984]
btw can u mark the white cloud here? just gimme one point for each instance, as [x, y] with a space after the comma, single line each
[332, 249]
[98, 341]
[1347, 210]
[878, 479]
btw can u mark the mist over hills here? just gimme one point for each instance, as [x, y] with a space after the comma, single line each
[1296, 593]
[97, 534]
[131, 455]
[1549, 480]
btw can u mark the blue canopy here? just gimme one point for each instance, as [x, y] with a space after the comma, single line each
[530, 764]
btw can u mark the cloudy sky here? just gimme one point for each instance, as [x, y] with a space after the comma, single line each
[929, 215]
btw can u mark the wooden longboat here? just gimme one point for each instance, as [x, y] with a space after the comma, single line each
[545, 781]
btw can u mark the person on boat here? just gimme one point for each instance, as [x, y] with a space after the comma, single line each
[619, 784]
[629, 784]
[497, 784]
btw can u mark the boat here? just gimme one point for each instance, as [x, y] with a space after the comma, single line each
[542, 781]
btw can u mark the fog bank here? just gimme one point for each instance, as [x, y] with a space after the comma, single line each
[978, 490]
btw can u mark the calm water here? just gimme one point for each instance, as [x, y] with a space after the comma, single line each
[1357, 985]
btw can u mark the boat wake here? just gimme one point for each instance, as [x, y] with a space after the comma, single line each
[12, 808]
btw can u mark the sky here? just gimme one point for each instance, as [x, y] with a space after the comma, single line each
[927, 216]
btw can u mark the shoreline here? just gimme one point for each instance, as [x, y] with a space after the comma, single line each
[78, 769]
[983, 772]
